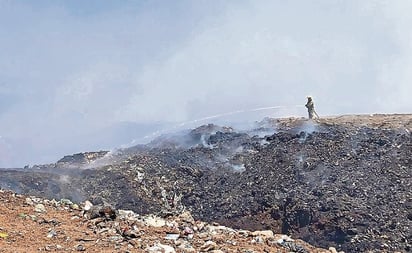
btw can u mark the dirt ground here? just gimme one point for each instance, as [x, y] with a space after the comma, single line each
[27, 227]
[382, 121]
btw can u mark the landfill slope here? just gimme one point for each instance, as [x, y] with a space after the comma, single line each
[339, 181]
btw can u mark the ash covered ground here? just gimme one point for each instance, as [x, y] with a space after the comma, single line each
[339, 181]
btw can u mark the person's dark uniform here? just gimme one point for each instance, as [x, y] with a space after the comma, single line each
[311, 108]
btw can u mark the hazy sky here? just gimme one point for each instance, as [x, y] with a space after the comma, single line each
[73, 69]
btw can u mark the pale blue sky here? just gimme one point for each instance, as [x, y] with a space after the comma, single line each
[73, 69]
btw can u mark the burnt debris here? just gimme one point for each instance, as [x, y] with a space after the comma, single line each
[330, 183]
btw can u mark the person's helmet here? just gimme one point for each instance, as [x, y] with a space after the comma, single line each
[309, 97]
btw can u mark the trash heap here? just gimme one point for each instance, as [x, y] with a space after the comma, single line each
[343, 182]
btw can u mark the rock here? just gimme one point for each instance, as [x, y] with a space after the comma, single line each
[127, 215]
[186, 247]
[29, 201]
[187, 217]
[80, 247]
[54, 203]
[208, 246]
[199, 226]
[131, 233]
[39, 208]
[333, 250]
[106, 212]
[66, 202]
[87, 205]
[258, 239]
[52, 233]
[263, 233]
[154, 221]
[294, 247]
[187, 231]
[282, 238]
[243, 233]
[172, 236]
[160, 248]
[214, 229]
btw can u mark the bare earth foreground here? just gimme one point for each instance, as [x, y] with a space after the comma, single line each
[340, 181]
[30, 224]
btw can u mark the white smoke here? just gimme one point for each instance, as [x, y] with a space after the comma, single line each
[77, 72]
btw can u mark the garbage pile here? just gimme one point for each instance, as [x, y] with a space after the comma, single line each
[343, 182]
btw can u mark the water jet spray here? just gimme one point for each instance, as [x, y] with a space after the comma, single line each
[216, 116]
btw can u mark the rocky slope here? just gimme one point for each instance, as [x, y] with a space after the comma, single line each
[342, 182]
[31, 224]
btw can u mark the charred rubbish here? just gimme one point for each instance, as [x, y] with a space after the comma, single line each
[343, 182]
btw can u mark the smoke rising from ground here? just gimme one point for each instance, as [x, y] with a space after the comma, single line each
[78, 76]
